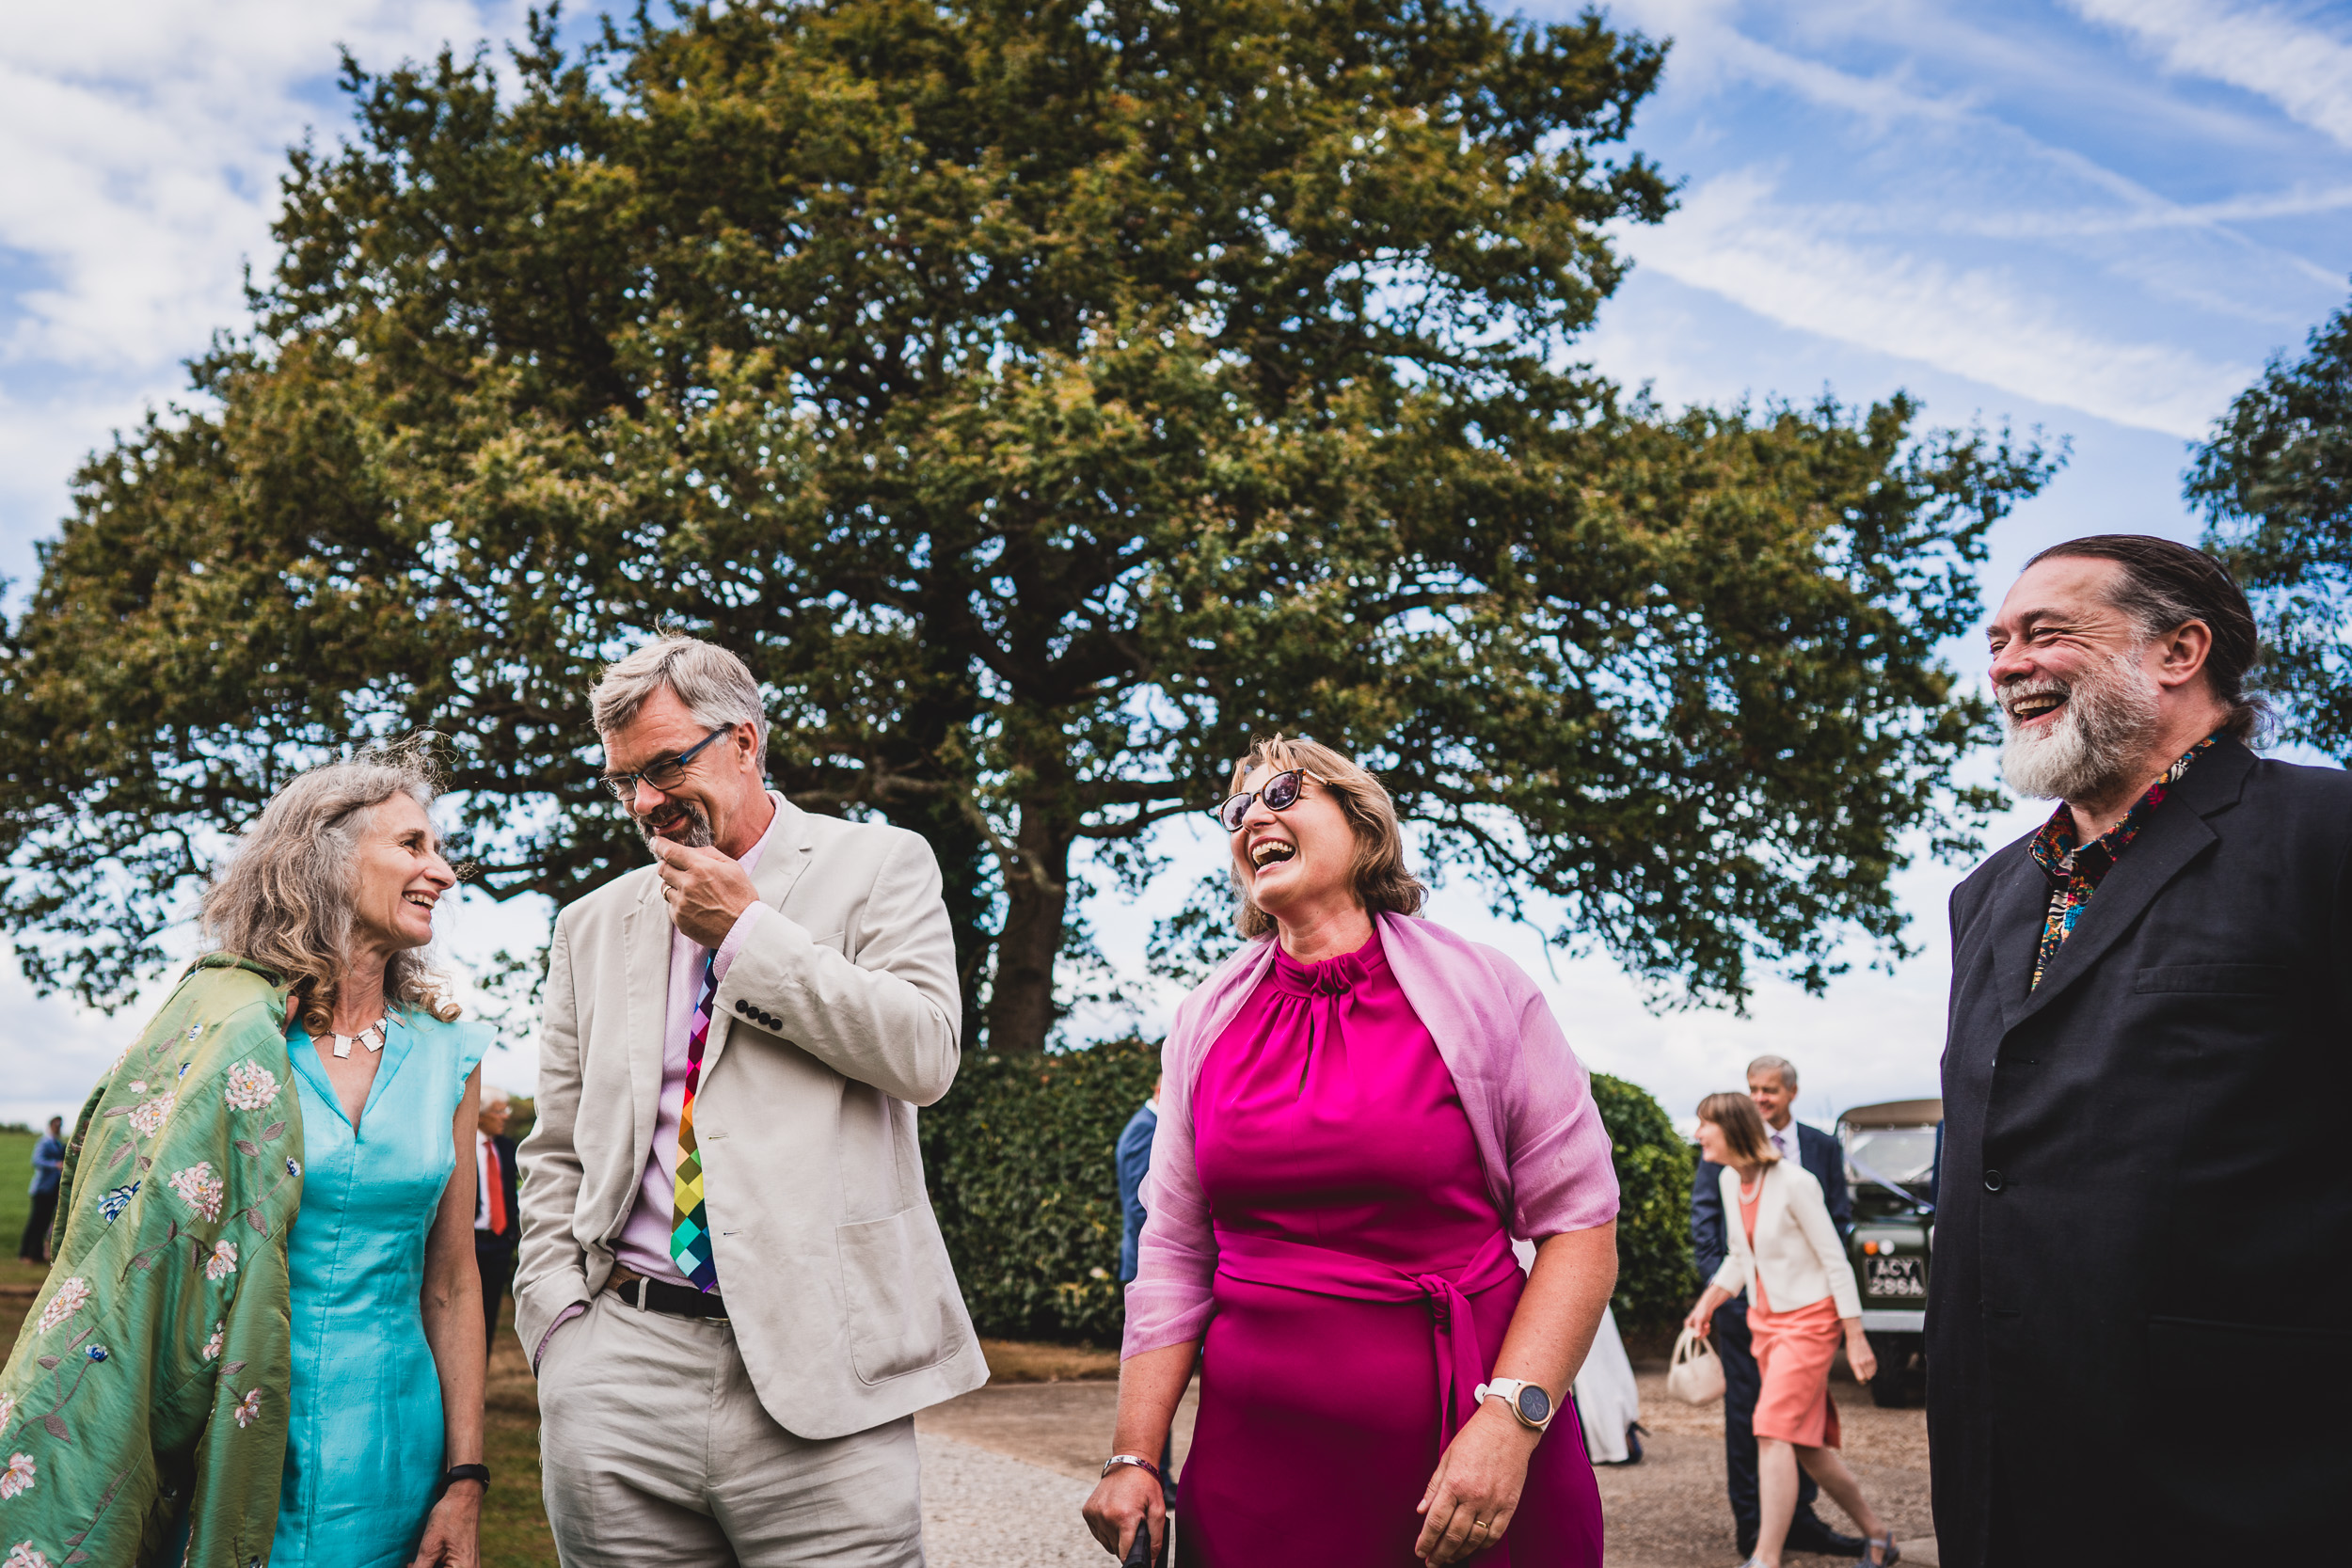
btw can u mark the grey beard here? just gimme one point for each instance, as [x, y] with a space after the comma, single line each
[2098, 740]
[697, 834]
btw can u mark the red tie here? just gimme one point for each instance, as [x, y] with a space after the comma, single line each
[497, 1195]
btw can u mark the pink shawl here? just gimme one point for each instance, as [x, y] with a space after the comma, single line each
[1541, 1147]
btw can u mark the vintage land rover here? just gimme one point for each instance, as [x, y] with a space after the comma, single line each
[1891, 1152]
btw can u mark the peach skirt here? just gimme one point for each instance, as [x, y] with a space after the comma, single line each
[1794, 1350]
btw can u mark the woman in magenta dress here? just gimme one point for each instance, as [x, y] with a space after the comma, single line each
[1359, 1112]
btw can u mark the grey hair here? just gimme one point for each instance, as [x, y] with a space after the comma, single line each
[284, 898]
[1781, 1064]
[716, 687]
[493, 1095]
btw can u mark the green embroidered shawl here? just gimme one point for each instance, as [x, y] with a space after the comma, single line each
[150, 1379]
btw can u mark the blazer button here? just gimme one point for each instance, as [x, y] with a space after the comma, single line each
[1993, 1181]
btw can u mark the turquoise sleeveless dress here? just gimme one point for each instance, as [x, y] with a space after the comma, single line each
[365, 1448]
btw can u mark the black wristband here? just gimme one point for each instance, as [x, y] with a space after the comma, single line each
[464, 1472]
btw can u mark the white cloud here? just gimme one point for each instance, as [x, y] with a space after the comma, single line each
[2267, 51]
[145, 141]
[1731, 238]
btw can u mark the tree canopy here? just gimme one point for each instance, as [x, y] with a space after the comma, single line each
[1043, 398]
[2276, 485]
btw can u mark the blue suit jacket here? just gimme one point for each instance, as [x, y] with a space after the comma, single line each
[1816, 1151]
[1134, 1159]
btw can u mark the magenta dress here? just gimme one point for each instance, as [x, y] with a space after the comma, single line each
[1364, 1282]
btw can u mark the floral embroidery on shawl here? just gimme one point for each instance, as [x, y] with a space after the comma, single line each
[150, 1295]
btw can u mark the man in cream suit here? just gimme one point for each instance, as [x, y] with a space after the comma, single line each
[731, 1285]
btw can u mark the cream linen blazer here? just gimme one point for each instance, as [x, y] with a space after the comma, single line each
[838, 1016]
[1797, 1247]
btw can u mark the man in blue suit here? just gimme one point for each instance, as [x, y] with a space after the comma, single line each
[1133, 1158]
[1773, 1084]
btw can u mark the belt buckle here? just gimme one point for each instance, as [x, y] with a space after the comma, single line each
[639, 1286]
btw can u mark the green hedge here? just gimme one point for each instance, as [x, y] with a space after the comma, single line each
[1020, 1159]
[1657, 1279]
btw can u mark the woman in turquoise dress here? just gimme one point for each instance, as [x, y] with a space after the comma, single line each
[261, 1341]
[382, 1297]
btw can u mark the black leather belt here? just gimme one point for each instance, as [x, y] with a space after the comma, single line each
[678, 1301]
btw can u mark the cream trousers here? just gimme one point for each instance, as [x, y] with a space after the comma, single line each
[655, 1449]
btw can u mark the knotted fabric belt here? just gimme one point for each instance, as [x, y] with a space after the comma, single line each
[1322, 1272]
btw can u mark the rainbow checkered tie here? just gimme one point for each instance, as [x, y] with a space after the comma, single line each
[690, 1225]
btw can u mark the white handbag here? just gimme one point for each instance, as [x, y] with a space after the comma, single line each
[1697, 1376]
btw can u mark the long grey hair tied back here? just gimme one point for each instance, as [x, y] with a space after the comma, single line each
[284, 897]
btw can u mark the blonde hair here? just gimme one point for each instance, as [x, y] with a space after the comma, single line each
[1383, 885]
[284, 897]
[1742, 1126]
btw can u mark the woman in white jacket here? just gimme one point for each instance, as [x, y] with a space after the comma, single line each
[1787, 1255]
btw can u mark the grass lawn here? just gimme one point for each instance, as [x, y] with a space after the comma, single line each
[16, 1175]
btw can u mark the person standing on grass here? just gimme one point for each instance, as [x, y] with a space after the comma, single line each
[732, 1286]
[1773, 1084]
[48, 1160]
[2143, 1237]
[497, 1223]
[1787, 1257]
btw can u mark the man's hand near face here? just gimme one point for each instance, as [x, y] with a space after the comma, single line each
[706, 890]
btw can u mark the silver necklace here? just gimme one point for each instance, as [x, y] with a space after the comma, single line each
[372, 1036]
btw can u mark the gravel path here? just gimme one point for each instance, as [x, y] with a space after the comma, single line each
[983, 1510]
[1005, 1468]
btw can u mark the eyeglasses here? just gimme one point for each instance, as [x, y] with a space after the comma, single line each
[665, 775]
[1280, 793]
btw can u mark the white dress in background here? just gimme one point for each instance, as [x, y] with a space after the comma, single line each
[1607, 1399]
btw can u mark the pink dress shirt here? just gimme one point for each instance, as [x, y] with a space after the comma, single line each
[644, 1245]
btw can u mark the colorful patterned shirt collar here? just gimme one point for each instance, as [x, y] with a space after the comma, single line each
[2074, 874]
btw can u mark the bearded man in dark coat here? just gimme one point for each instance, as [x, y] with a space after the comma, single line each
[2137, 1349]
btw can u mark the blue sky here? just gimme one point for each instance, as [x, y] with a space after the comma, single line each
[2097, 217]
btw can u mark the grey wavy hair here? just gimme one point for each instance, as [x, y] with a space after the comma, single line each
[284, 897]
[716, 687]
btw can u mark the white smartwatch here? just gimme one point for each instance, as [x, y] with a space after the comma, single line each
[1528, 1401]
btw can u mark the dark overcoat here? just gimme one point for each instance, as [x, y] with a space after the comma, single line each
[2136, 1341]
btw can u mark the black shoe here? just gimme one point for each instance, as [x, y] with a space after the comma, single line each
[1807, 1533]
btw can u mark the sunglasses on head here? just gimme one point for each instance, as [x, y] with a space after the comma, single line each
[1280, 793]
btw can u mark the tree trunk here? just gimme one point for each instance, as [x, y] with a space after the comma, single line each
[1021, 1002]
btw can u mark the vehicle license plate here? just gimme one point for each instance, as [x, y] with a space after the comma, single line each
[1896, 1276]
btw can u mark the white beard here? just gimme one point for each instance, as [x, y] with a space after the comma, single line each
[2099, 739]
[697, 835]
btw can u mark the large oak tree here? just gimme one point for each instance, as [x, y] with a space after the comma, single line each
[1043, 398]
[2275, 482]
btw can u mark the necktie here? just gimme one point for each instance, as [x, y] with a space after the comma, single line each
[496, 1196]
[689, 1227]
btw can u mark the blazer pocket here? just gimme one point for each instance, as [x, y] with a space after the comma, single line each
[2214, 979]
[899, 1292]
